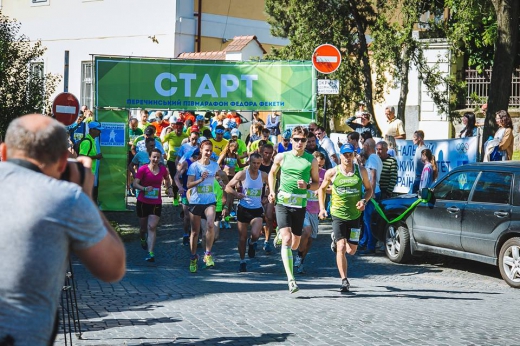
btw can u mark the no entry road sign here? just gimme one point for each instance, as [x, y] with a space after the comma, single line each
[326, 58]
[65, 108]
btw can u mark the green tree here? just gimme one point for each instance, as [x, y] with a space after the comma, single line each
[342, 23]
[24, 88]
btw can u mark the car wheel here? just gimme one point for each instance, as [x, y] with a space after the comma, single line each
[397, 243]
[509, 262]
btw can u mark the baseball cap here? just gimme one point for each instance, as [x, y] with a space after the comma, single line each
[347, 148]
[235, 132]
[194, 128]
[149, 131]
[95, 125]
[287, 134]
[200, 118]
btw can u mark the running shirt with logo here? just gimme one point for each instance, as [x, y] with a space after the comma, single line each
[218, 146]
[313, 206]
[346, 192]
[294, 168]
[147, 178]
[174, 143]
[204, 192]
[252, 189]
[230, 162]
[140, 144]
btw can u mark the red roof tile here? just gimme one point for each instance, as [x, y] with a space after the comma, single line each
[239, 43]
[221, 55]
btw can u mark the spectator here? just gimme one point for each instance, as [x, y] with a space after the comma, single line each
[326, 143]
[504, 138]
[388, 177]
[312, 147]
[392, 145]
[45, 219]
[470, 128]
[429, 172]
[364, 136]
[418, 141]
[395, 126]
[365, 125]
[273, 125]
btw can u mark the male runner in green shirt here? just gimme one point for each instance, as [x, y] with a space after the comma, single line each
[348, 180]
[297, 169]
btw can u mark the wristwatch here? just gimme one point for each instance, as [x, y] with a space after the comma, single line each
[308, 186]
[363, 200]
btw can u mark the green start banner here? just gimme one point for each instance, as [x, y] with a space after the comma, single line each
[204, 85]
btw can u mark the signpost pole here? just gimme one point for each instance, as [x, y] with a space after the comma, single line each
[66, 73]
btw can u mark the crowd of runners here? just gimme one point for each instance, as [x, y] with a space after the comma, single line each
[275, 185]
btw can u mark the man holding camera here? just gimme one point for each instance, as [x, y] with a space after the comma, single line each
[43, 219]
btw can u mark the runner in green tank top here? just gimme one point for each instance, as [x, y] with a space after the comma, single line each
[348, 180]
[297, 169]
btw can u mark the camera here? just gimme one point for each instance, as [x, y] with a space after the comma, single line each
[81, 169]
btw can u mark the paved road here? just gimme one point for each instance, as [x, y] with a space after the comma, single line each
[434, 300]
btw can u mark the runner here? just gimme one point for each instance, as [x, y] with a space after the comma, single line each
[202, 201]
[267, 151]
[250, 209]
[348, 180]
[297, 168]
[228, 162]
[149, 204]
[311, 222]
[174, 140]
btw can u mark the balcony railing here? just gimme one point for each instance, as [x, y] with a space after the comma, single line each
[478, 85]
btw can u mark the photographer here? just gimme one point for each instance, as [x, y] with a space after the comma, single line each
[43, 219]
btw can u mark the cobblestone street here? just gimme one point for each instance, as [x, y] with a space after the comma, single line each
[433, 300]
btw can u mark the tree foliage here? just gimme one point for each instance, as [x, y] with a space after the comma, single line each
[24, 88]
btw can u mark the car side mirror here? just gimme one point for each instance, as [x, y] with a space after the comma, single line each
[426, 194]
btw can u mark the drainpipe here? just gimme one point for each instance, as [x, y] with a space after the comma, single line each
[199, 25]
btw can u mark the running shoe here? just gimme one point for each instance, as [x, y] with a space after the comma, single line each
[186, 240]
[175, 202]
[243, 267]
[227, 225]
[233, 214]
[194, 264]
[333, 244]
[300, 269]
[297, 261]
[150, 258]
[293, 287]
[345, 285]
[208, 259]
[277, 239]
[144, 244]
[251, 251]
[267, 247]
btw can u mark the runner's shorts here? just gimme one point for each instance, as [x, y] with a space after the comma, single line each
[313, 221]
[246, 215]
[199, 209]
[346, 229]
[145, 209]
[290, 217]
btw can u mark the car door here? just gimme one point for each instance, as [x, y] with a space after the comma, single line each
[440, 225]
[487, 213]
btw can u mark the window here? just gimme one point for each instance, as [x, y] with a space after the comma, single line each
[493, 187]
[86, 84]
[456, 187]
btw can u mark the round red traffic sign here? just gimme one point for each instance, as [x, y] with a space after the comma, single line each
[65, 108]
[326, 58]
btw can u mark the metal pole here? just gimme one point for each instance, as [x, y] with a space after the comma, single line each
[325, 111]
[66, 73]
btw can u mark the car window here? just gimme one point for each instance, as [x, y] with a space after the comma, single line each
[493, 187]
[456, 187]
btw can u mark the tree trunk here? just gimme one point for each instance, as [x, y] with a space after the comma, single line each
[363, 56]
[507, 12]
[405, 67]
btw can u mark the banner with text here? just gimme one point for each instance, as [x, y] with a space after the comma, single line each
[449, 153]
[204, 85]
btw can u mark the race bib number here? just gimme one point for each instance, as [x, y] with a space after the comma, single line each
[311, 197]
[292, 200]
[253, 192]
[205, 189]
[354, 235]
[153, 194]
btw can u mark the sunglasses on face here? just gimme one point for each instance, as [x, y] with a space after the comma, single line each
[300, 139]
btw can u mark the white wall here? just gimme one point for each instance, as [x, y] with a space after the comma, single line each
[109, 27]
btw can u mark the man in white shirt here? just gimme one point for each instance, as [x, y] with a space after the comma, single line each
[326, 143]
[374, 166]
